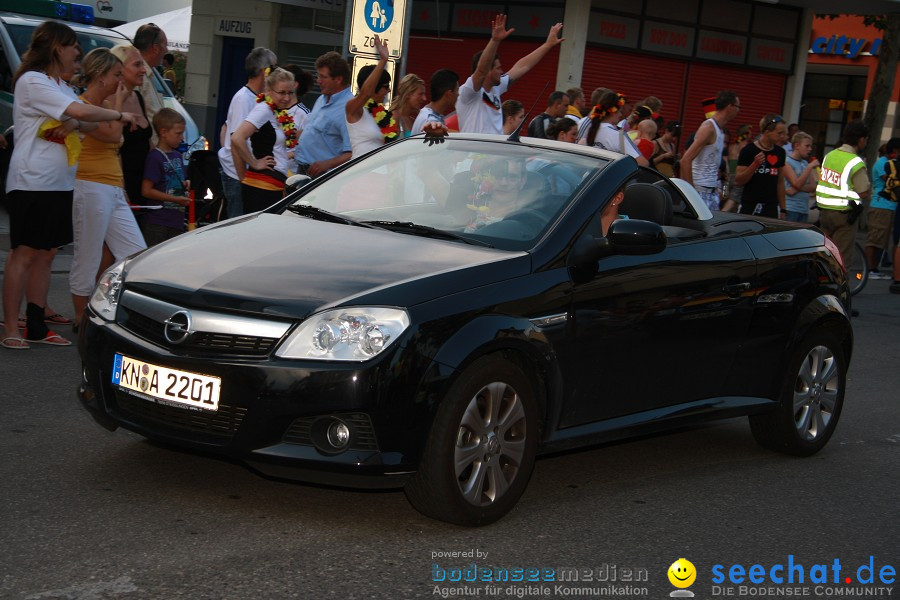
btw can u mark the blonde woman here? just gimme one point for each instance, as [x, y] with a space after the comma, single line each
[409, 99]
[272, 134]
[100, 212]
[136, 142]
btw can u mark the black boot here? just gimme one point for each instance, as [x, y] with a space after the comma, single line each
[35, 327]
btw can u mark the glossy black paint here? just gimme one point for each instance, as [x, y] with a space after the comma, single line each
[615, 346]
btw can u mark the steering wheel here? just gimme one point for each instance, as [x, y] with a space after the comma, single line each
[531, 218]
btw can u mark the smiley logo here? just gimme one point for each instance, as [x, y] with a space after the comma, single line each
[682, 573]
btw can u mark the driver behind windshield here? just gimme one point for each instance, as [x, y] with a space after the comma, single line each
[499, 191]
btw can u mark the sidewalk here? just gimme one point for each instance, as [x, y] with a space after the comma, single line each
[61, 264]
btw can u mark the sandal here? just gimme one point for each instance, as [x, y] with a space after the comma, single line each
[52, 338]
[57, 319]
[14, 343]
[20, 323]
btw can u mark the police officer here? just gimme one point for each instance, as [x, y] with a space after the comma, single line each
[842, 184]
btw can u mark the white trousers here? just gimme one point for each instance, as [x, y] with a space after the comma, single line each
[100, 214]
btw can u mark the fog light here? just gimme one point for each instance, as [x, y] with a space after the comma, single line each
[338, 435]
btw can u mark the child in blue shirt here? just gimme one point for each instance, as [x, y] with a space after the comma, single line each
[164, 184]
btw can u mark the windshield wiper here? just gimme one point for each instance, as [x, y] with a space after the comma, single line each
[426, 231]
[314, 212]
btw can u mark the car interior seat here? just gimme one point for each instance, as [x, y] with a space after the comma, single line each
[647, 202]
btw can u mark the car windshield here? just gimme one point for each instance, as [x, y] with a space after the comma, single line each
[495, 193]
[21, 37]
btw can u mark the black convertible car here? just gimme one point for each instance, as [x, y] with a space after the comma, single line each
[436, 316]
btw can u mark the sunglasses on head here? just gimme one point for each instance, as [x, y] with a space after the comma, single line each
[770, 123]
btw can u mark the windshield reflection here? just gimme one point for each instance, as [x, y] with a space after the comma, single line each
[503, 194]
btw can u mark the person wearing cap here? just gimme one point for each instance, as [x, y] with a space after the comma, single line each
[700, 163]
[843, 182]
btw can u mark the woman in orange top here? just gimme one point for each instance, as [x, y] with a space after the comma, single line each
[101, 217]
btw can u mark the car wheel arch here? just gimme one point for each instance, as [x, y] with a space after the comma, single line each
[822, 312]
[533, 360]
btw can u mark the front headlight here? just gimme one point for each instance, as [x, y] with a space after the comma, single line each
[355, 334]
[105, 298]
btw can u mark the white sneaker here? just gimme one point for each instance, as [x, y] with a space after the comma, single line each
[879, 275]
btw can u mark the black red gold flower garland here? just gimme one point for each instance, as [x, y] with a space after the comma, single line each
[285, 120]
[599, 111]
[384, 119]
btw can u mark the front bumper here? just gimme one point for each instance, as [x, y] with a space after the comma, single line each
[270, 409]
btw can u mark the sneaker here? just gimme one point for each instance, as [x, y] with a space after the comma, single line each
[895, 287]
[879, 275]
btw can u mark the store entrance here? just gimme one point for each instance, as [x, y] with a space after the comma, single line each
[829, 101]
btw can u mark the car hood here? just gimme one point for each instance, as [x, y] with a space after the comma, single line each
[287, 265]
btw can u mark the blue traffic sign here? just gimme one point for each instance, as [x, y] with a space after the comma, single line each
[379, 14]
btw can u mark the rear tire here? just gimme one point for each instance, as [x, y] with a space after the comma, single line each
[481, 451]
[810, 400]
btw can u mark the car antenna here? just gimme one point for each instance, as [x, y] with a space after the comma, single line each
[514, 136]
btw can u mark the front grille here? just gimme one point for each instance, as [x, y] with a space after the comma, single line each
[222, 423]
[202, 342]
[362, 433]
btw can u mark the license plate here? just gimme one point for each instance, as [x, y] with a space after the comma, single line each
[165, 385]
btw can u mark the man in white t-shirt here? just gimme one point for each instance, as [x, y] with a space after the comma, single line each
[242, 103]
[479, 104]
[444, 92]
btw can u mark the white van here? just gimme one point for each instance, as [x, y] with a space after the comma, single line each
[15, 35]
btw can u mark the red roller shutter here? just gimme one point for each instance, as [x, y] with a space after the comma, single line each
[427, 55]
[637, 76]
[680, 85]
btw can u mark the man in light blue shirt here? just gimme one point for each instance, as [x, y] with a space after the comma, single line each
[325, 143]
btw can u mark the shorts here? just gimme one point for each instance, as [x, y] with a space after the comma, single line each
[39, 219]
[762, 209]
[879, 222]
[710, 197]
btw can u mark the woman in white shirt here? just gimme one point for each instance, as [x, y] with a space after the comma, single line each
[272, 134]
[367, 134]
[603, 131]
[42, 175]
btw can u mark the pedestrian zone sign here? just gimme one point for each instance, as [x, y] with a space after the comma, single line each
[382, 17]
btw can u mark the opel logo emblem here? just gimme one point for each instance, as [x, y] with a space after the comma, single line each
[178, 327]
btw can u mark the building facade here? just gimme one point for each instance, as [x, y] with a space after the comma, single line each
[680, 53]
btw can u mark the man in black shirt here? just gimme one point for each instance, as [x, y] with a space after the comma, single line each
[760, 169]
[557, 105]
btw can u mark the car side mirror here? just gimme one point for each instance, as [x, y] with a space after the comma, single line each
[295, 182]
[635, 237]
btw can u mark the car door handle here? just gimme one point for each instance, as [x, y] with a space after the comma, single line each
[735, 289]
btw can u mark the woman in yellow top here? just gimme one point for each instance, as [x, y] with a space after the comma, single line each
[103, 223]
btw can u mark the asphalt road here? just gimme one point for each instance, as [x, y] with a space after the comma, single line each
[92, 515]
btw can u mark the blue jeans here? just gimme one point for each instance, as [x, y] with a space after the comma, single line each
[234, 204]
[797, 217]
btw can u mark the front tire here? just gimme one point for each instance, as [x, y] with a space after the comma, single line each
[482, 446]
[810, 402]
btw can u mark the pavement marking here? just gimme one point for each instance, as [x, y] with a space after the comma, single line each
[89, 591]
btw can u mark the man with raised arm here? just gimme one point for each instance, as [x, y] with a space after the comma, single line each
[479, 104]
